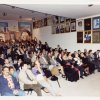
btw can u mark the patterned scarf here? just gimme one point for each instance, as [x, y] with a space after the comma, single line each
[10, 81]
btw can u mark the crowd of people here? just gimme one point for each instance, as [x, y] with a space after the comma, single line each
[31, 65]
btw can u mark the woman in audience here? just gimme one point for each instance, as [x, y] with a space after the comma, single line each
[28, 81]
[41, 78]
[54, 62]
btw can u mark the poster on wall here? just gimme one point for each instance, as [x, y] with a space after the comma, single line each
[55, 19]
[45, 22]
[3, 27]
[87, 24]
[80, 25]
[25, 26]
[62, 19]
[96, 37]
[26, 30]
[96, 23]
[79, 37]
[62, 28]
[73, 26]
[67, 25]
[57, 29]
[49, 20]
[87, 37]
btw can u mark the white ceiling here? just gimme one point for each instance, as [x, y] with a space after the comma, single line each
[16, 12]
[66, 10]
[73, 11]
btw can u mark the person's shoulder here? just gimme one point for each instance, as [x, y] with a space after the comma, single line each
[1, 77]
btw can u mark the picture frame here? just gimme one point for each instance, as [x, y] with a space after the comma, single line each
[96, 37]
[25, 26]
[49, 21]
[55, 20]
[80, 25]
[96, 23]
[73, 26]
[87, 37]
[45, 21]
[62, 19]
[57, 29]
[3, 27]
[87, 24]
[79, 37]
[67, 25]
[62, 28]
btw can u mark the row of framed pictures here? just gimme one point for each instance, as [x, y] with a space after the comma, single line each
[63, 25]
[19, 26]
[64, 28]
[59, 24]
[88, 37]
[88, 30]
[88, 24]
[42, 23]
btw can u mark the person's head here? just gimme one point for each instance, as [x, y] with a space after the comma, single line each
[85, 50]
[6, 61]
[5, 71]
[82, 54]
[24, 66]
[11, 70]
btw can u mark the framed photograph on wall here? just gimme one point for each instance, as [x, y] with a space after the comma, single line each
[73, 26]
[87, 24]
[62, 19]
[25, 26]
[79, 37]
[55, 20]
[3, 27]
[96, 23]
[49, 21]
[67, 25]
[96, 37]
[87, 37]
[62, 28]
[80, 25]
[45, 21]
[57, 29]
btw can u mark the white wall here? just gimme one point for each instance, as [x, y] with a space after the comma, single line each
[66, 40]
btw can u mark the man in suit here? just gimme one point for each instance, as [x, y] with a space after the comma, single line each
[96, 59]
[9, 85]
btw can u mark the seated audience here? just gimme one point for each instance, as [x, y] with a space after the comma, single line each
[27, 80]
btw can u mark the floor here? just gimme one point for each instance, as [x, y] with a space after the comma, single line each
[89, 86]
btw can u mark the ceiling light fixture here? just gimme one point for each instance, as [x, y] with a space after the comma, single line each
[90, 5]
[13, 7]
